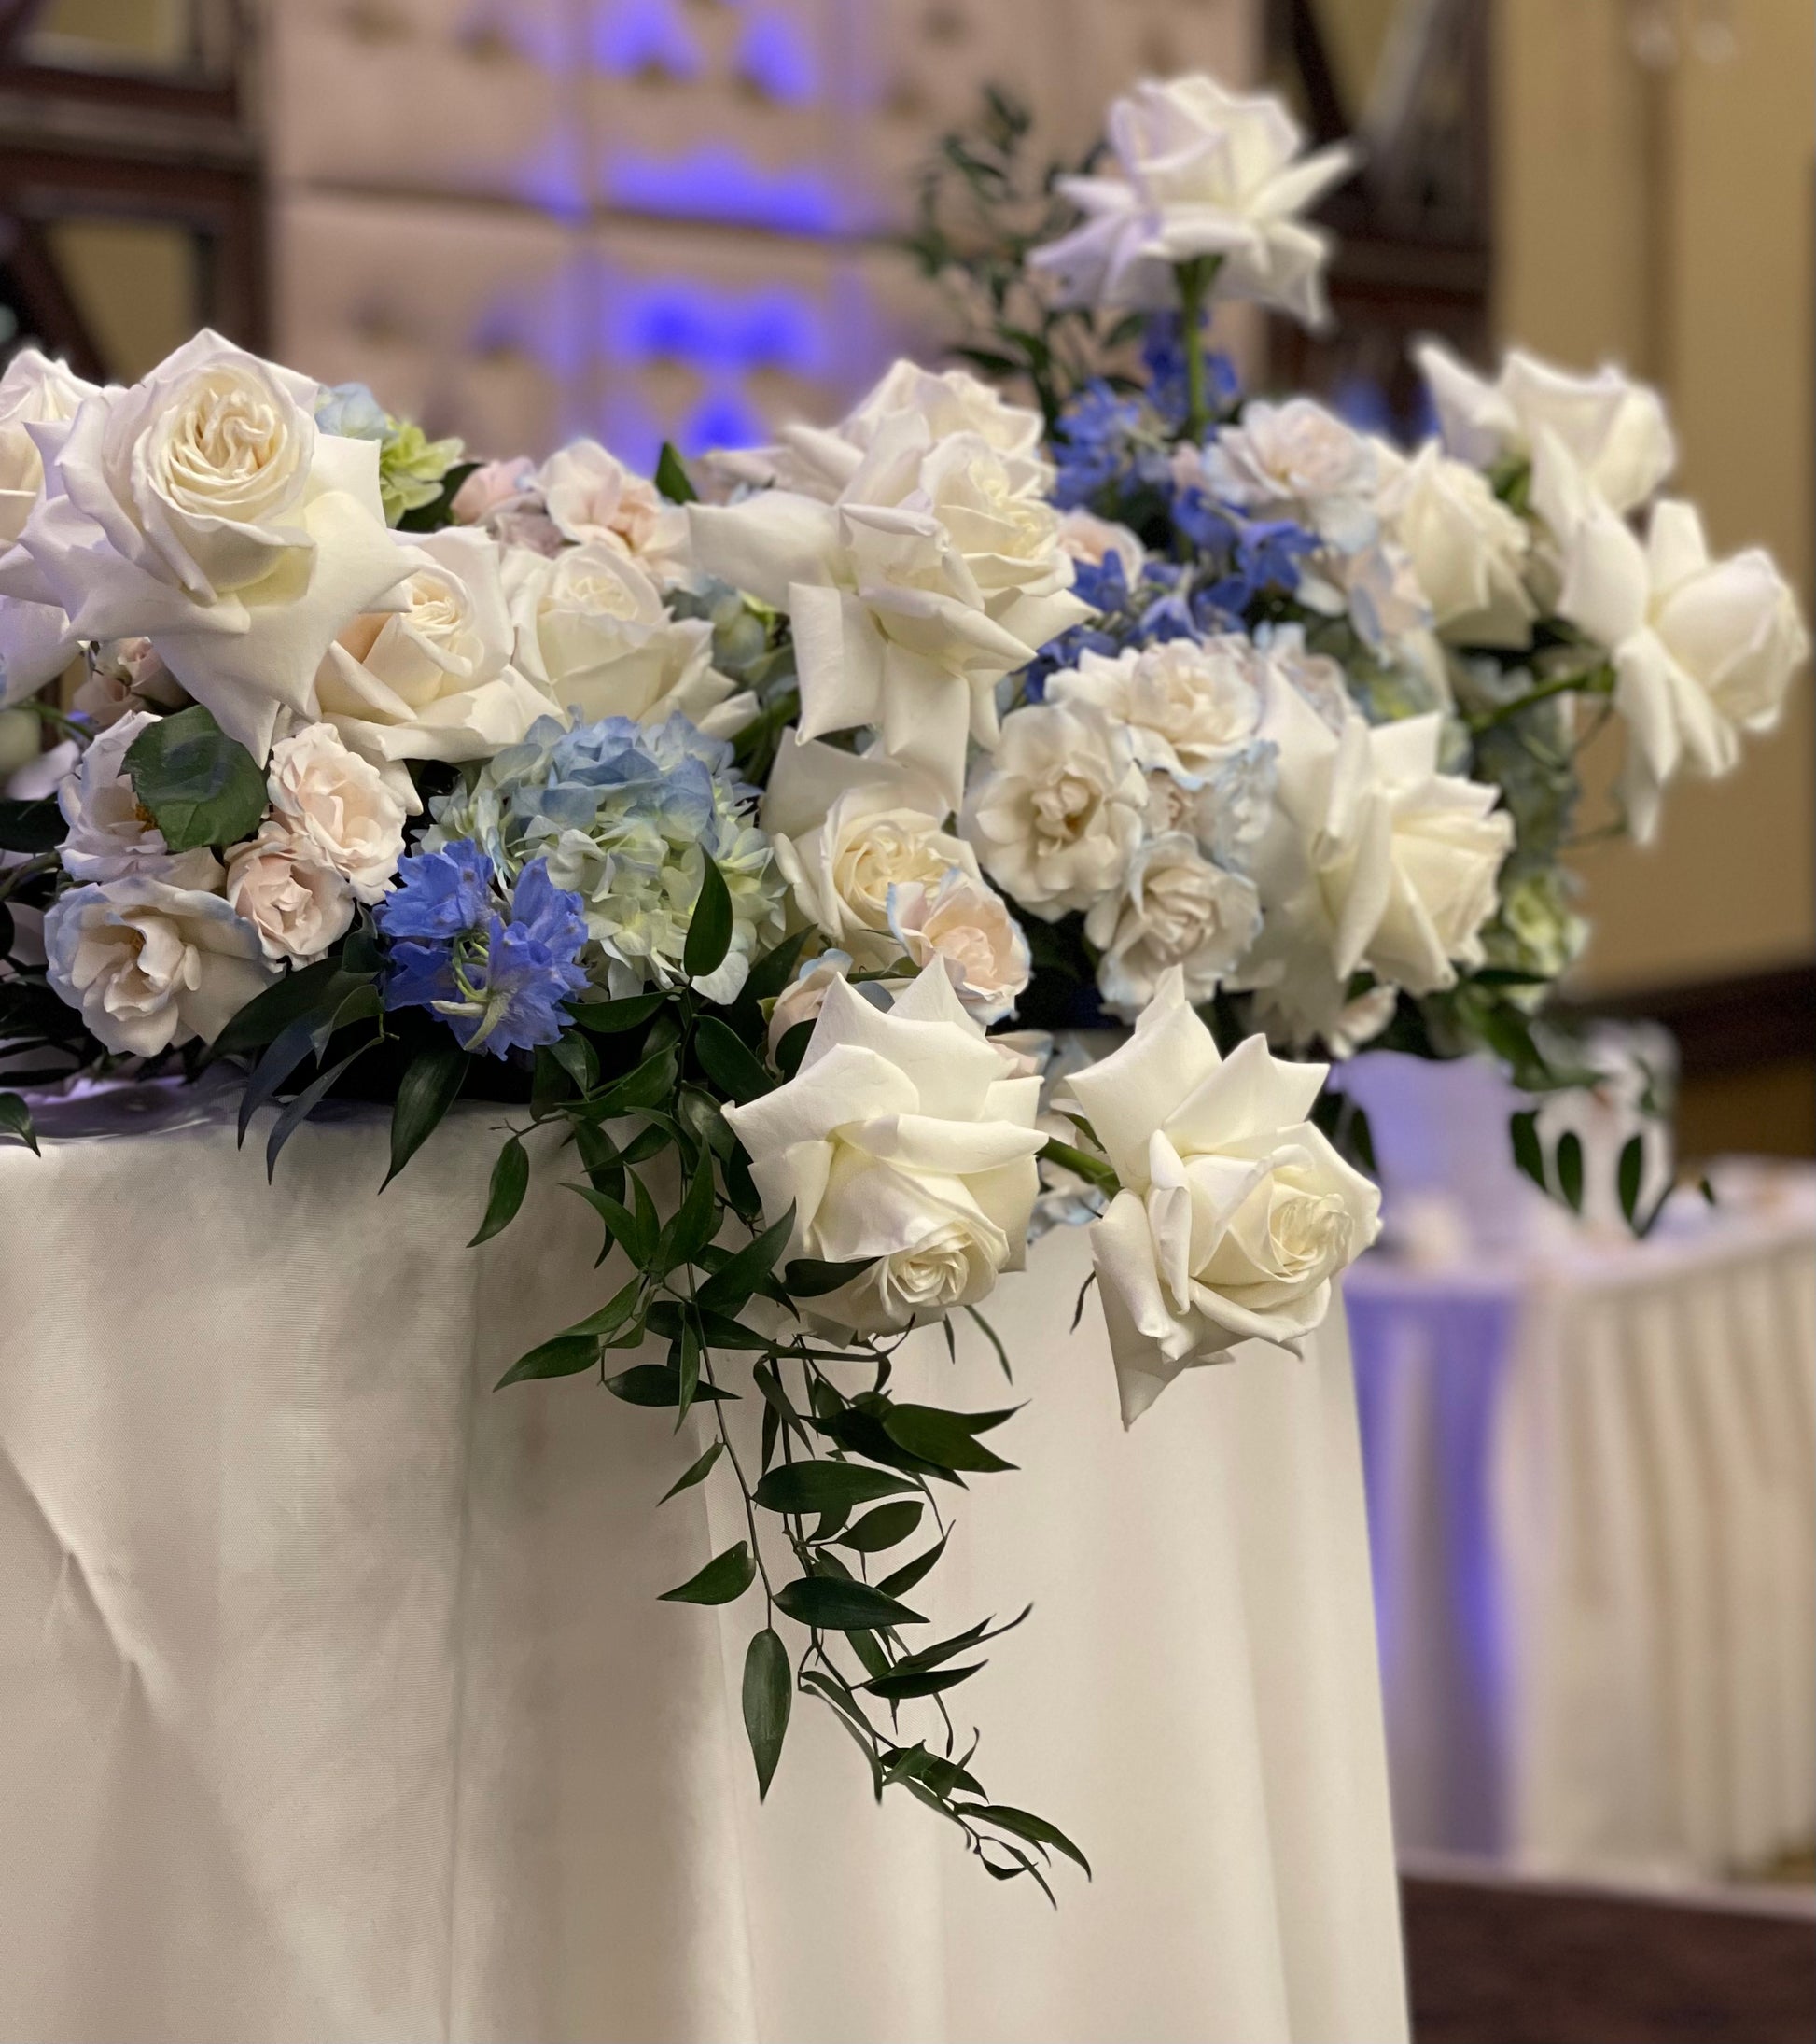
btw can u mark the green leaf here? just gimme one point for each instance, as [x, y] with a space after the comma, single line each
[728, 1061]
[578, 1059]
[1095, 1170]
[792, 1048]
[266, 1015]
[1036, 1830]
[16, 1120]
[886, 1527]
[733, 1282]
[709, 927]
[695, 1221]
[672, 478]
[425, 1094]
[657, 1384]
[695, 1472]
[621, 1226]
[32, 827]
[686, 1372]
[649, 1085]
[1632, 1169]
[612, 1017]
[610, 1316]
[298, 1111]
[200, 786]
[1528, 1153]
[510, 1180]
[896, 1689]
[840, 1607]
[566, 1355]
[906, 1577]
[826, 1487]
[723, 1581]
[946, 1439]
[767, 1695]
[773, 971]
[809, 1277]
[1569, 1170]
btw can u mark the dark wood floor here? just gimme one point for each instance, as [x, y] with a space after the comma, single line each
[1494, 1962]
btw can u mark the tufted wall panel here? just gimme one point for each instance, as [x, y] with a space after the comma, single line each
[521, 219]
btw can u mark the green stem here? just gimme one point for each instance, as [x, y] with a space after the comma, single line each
[1595, 681]
[1196, 278]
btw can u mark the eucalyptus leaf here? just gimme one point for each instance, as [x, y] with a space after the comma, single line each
[199, 786]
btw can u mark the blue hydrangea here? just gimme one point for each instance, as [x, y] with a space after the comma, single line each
[350, 412]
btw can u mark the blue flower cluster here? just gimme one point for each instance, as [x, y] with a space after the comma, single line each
[497, 973]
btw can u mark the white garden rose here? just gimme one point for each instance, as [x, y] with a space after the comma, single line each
[1610, 431]
[964, 923]
[277, 884]
[1186, 706]
[35, 391]
[339, 806]
[590, 495]
[110, 837]
[1702, 650]
[1205, 172]
[1468, 552]
[1057, 814]
[1298, 460]
[805, 996]
[592, 631]
[848, 827]
[432, 681]
[125, 677]
[1176, 911]
[936, 573]
[1234, 1215]
[151, 965]
[202, 509]
[899, 1138]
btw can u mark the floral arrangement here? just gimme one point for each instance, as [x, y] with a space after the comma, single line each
[715, 825]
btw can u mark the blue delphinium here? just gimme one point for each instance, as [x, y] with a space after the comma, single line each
[497, 978]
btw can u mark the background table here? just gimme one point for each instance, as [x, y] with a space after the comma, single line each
[338, 1704]
[1592, 1497]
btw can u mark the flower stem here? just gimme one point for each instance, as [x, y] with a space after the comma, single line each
[1594, 681]
[1196, 278]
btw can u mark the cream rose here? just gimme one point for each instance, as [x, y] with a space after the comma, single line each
[298, 906]
[898, 1139]
[1057, 814]
[1468, 550]
[202, 509]
[1094, 541]
[1234, 1215]
[846, 829]
[591, 496]
[592, 631]
[1186, 707]
[339, 806]
[965, 924]
[110, 837]
[1205, 172]
[124, 677]
[34, 392]
[1175, 910]
[151, 965]
[432, 681]
[1702, 650]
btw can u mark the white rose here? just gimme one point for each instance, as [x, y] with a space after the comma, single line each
[1175, 911]
[1298, 460]
[1095, 541]
[298, 906]
[1057, 815]
[938, 572]
[846, 829]
[1187, 706]
[1468, 550]
[592, 631]
[1316, 676]
[964, 923]
[899, 1138]
[1234, 1214]
[339, 806]
[1702, 650]
[1612, 432]
[1205, 172]
[202, 509]
[151, 965]
[1370, 857]
[805, 996]
[110, 837]
[35, 391]
[432, 681]
[591, 496]
[125, 677]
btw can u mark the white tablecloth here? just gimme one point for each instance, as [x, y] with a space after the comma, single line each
[1592, 1495]
[338, 1705]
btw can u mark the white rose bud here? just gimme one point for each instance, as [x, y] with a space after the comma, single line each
[1234, 1215]
[966, 924]
[591, 496]
[340, 805]
[298, 906]
[1468, 550]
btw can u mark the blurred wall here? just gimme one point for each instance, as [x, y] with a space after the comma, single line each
[523, 219]
[1661, 213]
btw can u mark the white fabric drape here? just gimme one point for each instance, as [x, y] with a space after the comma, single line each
[338, 1704]
[1592, 1487]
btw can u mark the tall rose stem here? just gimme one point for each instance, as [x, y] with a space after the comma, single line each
[1595, 681]
[1196, 278]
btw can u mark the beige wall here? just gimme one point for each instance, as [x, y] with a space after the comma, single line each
[1664, 219]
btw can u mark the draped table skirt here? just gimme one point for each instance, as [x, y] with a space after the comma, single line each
[339, 1705]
